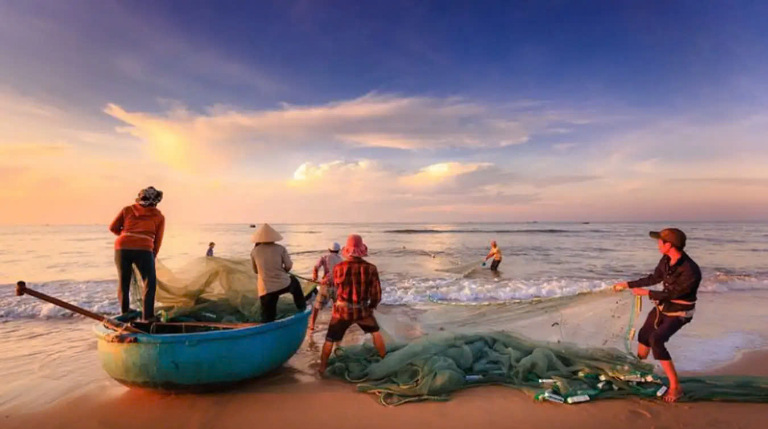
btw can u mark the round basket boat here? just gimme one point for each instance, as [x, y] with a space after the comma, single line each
[208, 360]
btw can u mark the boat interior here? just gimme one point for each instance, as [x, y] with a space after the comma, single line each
[187, 327]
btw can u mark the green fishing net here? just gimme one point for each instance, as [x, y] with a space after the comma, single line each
[435, 365]
[210, 289]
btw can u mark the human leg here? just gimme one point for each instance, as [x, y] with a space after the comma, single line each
[269, 306]
[124, 273]
[667, 326]
[644, 336]
[336, 330]
[298, 294]
[145, 262]
[369, 325]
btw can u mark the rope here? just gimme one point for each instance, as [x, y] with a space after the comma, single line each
[305, 279]
[633, 313]
[477, 304]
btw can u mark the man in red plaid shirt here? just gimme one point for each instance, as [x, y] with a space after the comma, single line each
[358, 293]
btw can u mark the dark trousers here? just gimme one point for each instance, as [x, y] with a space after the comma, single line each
[269, 301]
[657, 330]
[495, 265]
[145, 262]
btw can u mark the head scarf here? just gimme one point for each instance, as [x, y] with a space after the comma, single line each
[149, 197]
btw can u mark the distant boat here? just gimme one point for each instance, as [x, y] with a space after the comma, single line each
[585, 223]
[253, 226]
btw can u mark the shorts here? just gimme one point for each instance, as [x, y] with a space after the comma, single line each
[495, 264]
[657, 330]
[337, 327]
[325, 294]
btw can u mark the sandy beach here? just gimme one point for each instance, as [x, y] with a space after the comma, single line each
[65, 390]
[291, 399]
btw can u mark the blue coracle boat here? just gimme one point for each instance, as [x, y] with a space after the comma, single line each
[199, 360]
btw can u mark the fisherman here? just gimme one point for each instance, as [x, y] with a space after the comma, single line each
[327, 290]
[358, 293]
[209, 252]
[495, 253]
[675, 304]
[139, 229]
[271, 263]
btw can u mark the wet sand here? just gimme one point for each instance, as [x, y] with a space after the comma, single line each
[291, 399]
[52, 379]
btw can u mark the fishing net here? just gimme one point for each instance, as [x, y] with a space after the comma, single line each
[464, 269]
[210, 289]
[433, 366]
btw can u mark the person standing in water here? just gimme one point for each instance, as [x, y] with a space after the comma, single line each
[358, 293]
[495, 253]
[675, 304]
[139, 229]
[327, 289]
[271, 263]
[209, 252]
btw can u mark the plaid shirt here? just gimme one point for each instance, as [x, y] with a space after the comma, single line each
[358, 290]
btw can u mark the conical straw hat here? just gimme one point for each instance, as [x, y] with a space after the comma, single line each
[266, 234]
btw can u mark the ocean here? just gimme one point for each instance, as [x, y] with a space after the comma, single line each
[553, 284]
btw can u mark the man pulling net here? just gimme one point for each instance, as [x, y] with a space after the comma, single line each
[675, 304]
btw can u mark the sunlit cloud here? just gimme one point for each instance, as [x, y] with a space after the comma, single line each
[194, 157]
[181, 137]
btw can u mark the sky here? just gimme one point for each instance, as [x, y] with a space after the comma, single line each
[400, 111]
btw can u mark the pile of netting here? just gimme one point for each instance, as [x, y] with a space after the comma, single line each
[210, 289]
[433, 366]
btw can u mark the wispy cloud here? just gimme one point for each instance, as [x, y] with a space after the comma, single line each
[729, 181]
[373, 120]
[563, 147]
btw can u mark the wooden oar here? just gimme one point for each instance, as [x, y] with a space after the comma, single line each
[22, 289]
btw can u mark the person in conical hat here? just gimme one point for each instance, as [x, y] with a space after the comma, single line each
[358, 293]
[271, 263]
[327, 290]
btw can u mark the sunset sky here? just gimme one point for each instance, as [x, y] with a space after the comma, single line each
[317, 111]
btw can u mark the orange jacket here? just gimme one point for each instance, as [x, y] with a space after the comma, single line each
[139, 228]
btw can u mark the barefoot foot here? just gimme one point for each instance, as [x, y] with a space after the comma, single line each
[673, 395]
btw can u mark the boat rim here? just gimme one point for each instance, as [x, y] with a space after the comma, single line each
[102, 331]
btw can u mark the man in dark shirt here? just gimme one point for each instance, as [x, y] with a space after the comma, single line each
[358, 293]
[675, 304]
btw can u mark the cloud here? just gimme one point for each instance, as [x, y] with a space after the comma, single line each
[728, 181]
[545, 182]
[17, 151]
[450, 173]
[437, 184]
[563, 147]
[181, 137]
